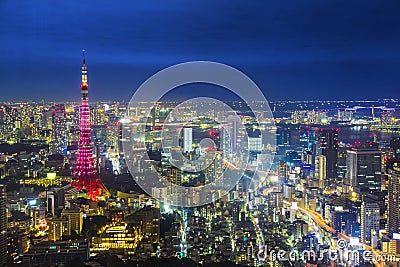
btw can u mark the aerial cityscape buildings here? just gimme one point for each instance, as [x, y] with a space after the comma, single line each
[67, 196]
[199, 133]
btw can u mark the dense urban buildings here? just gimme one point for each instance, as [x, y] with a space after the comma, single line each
[199, 133]
[303, 204]
[67, 196]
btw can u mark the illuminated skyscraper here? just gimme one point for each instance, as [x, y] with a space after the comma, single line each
[395, 146]
[75, 219]
[3, 226]
[342, 165]
[320, 171]
[59, 227]
[174, 175]
[369, 221]
[187, 140]
[58, 144]
[234, 123]
[364, 168]
[394, 200]
[328, 141]
[85, 169]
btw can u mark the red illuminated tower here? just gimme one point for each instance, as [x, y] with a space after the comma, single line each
[85, 169]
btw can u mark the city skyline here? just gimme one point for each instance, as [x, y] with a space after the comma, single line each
[199, 134]
[318, 181]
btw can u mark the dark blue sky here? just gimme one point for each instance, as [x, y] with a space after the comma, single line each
[292, 49]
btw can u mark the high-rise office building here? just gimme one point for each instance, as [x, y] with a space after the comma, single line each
[283, 135]
[342, 165]
[59, 227]
[150, 221]
[275, 200]
[59, 134]
[320, 171]
[174, 175]
[234, 125]
[3, 226]
[225, 142]
[254, 140]
[369, 220]
[18, 242]
[395, 146]
[187, 139]
[364, 168]
[75, 219]
[283, 170]
[393, 225]
[328, 142]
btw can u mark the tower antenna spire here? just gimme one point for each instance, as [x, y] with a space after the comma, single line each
[83, 56]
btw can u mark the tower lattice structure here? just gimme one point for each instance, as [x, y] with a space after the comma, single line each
[85, 168]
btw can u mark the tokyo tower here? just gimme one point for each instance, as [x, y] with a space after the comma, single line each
[85, 170]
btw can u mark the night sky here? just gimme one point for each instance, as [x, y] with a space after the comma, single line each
[294, 50]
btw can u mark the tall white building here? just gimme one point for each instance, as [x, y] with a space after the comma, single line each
[369, 221]
[187, 139]
[235, 124]
[225, 141]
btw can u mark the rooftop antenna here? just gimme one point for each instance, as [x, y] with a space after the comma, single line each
[83, 56]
